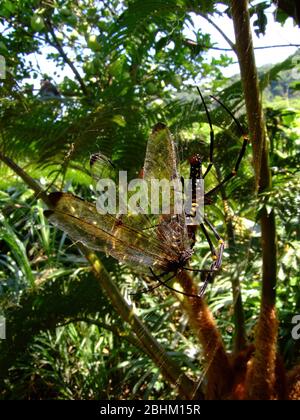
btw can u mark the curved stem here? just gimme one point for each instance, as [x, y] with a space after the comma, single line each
[34, 185]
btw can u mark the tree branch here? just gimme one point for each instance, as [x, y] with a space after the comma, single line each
[249, 78]
[56, 44]
[228, 40]
[257, 131]
[35, 186]
[169, 369]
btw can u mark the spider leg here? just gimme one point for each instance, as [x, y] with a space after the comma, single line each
[233, 172]
[150, 289]
[212, 136]
[204, 285]
[218, 256]
[147, 290]
[171, 288]
[212, 248]
[240, 156]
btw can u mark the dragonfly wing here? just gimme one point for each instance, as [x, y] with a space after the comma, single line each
[127, 243]
[160, 160]
[67, 203]
[161, 163]
[102, 168]
[77, 230]
[104, 173]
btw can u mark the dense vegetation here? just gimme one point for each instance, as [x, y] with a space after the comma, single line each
[127, 65]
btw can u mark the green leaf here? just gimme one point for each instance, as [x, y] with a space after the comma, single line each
[9, 6]
[18, 249]
[120, 120]
[37, 23]
[93, 43]
[281, 16]
[261, 22]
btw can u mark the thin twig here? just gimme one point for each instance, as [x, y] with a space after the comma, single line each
[192, 43]
[256, 48]
[34, 185]
[228, 40]
[56, 44]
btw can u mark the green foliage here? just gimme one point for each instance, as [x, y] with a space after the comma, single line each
[132, 67]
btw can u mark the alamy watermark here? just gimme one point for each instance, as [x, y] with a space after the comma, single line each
[140, 196]
[2, 67]
[296, 329]
[2, 328]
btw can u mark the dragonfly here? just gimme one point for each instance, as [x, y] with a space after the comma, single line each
[158, 244]
[162, 244]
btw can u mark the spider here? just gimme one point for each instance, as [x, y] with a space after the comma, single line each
[196, 176]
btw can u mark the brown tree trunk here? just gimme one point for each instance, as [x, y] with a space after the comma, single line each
[217, 369]
[262, 376]
[239, 338]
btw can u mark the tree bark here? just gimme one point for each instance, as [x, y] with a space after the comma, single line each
[239, 338]
[217, 368]
[261, 381]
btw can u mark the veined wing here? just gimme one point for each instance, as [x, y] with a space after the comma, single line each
[161, 163]
[160, 160]
[125, 242]
[102, 168]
